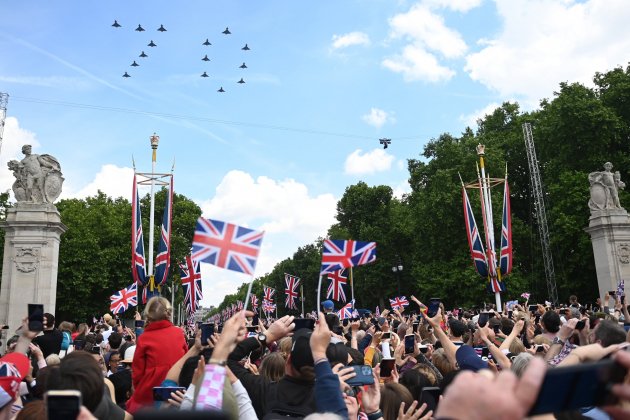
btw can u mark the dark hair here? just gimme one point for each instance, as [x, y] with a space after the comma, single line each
[551, 322]
[115, 339]
[337, 353]
[122, 386]
[458, 328]
[609, 332]
[78, 370]
[392, 395]
[357, 356]
[50, 320]
[506, 326]
[414, 381]
[33, 410]
[332, 320]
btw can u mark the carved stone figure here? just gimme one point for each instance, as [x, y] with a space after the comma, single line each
[38, 177]
[605, 186]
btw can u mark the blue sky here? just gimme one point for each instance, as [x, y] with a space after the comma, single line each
[325, 80]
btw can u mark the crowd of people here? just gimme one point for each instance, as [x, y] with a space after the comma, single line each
[425, 362]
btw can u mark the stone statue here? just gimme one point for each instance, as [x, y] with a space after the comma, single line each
[38, 178]
[605, 188]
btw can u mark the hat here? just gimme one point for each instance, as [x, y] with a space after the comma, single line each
[301, 354]
[129, 354]
[467, 359]
[13, 367]
[328, 305]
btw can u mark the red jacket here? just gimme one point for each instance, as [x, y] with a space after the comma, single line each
[158, 348]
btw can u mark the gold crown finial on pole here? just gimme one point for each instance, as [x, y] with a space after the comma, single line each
[481, 149]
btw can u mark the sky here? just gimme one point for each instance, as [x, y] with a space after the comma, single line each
[325, 80]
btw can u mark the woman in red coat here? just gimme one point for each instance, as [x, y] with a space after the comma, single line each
[157, 349]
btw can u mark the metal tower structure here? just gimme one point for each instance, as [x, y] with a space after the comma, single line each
[4, 100]
[541, 214]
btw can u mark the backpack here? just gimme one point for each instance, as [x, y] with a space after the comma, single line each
[65, 342]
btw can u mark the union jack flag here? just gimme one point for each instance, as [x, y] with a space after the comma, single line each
[525, 295]
[268, 306]
[335, 288]
[346, 311]
[340, 254]
[505, 263]
[474, 240]
[269, 292]
[226, 245]
[137, 252]
[191, 282]
[163, 257]
[621, 288]
[239, 305]
[399, 303]
[378, 311]
[291, 283]
[254, 300]
[123, 299]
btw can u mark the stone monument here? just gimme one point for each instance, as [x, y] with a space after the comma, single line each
[33, 230]
[609, 227]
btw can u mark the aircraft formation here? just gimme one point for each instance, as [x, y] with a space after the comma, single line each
[205, 58]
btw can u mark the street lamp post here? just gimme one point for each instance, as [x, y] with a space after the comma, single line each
[397, 269]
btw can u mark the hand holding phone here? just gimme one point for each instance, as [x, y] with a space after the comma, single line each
[35, 317]
[62, 405]
[387, 367]
[410, 344]
[163, 393]
[363, 376]
[207, 330]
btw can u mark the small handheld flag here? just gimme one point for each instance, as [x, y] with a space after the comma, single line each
[399, 303]
[338, 254]
[291, 283]
[346, 311]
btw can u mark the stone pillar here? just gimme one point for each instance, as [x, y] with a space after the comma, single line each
[610, 235]
[31, 255]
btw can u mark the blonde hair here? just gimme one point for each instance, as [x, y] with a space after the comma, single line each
[158, 309]
[517, 347]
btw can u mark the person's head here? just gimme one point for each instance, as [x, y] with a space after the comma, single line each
[520, 363]
[83, 329]
[34, 410]
[115, 339]
[517, 346]
[50, 321]
[608, 333]
[332, 320]
[328, 306]
[457, 328]
[414, 381]
[53, 359]
[608, 166]
[573, 299]
[158, 309]
[550, 322]
[66, 326]
[392, 396]
[337, 353]
[441, 362]
[285, 345]
[114, 361]
[79, 370]
[300, 363]
[272, 366]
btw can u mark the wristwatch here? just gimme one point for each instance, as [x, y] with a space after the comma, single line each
[557, 340]
[262, 338]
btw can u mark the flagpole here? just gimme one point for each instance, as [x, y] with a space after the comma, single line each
[319, 294]
[155, 139]
[302, 297]
[249, 293]
[352, 286]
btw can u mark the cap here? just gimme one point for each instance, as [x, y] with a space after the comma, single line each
[301, 354]
[13, 367]
[328, 305]
[467, 359]
[131, 350]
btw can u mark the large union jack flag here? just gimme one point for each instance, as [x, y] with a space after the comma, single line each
[268, 306]
[346, 311]
[291, 283]
[335, 288]
[340, 254]
[190, 271]
[399, 303]
[137, 243]
[226, 245]
[474, 240]
[505, 263]
[163, 257]
[123, 299]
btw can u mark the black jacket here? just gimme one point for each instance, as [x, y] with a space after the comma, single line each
[50, 342]
[288, 396]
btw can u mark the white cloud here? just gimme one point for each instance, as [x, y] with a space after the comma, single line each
[377, 117]
[13, 139]
[350, 39]
[115, 181]
[545, 42]
[427, 37]
[455, 5]
[416, 64]
[358, 163]
[426, 29]
[401, 189]
[285, 210]
[471, 119]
